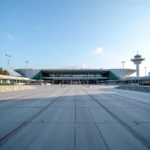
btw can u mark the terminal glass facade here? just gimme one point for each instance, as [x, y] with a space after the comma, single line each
[74, 77]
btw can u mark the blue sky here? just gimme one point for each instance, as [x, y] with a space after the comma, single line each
[77, 33]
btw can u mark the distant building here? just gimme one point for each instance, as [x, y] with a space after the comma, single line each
[76, 76]
[13, 80]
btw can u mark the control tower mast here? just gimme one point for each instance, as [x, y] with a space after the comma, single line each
[137, 61]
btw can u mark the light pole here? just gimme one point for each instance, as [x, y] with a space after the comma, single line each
[27, 62]
[123, 67]
[8, 56]
[10, 70]
[145, 70]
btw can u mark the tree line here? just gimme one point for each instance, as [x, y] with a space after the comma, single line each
[4, 72]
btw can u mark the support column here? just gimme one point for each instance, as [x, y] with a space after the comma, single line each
[8, 81]
[137, 70]
[96, 81]
[62, 85]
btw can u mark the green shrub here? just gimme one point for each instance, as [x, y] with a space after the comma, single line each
[4, 84]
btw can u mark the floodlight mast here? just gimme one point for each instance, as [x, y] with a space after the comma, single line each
[8, 56]
[27, 62]
[123, 62]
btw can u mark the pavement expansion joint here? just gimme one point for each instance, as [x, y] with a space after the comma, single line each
[5, 138]
[137, 123]
[74, 118]
[138, 136]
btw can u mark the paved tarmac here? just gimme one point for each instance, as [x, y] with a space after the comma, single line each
[75, 117]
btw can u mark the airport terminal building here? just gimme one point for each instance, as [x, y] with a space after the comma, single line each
[75, 76]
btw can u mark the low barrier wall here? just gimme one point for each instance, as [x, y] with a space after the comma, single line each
[11, 88]
[135, 88]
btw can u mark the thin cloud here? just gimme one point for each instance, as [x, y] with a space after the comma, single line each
[10, 37]
[97, 51]
[79, 66]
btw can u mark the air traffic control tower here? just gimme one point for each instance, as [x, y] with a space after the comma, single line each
[137, 61]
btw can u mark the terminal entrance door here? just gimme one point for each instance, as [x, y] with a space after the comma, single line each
[75, 82]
